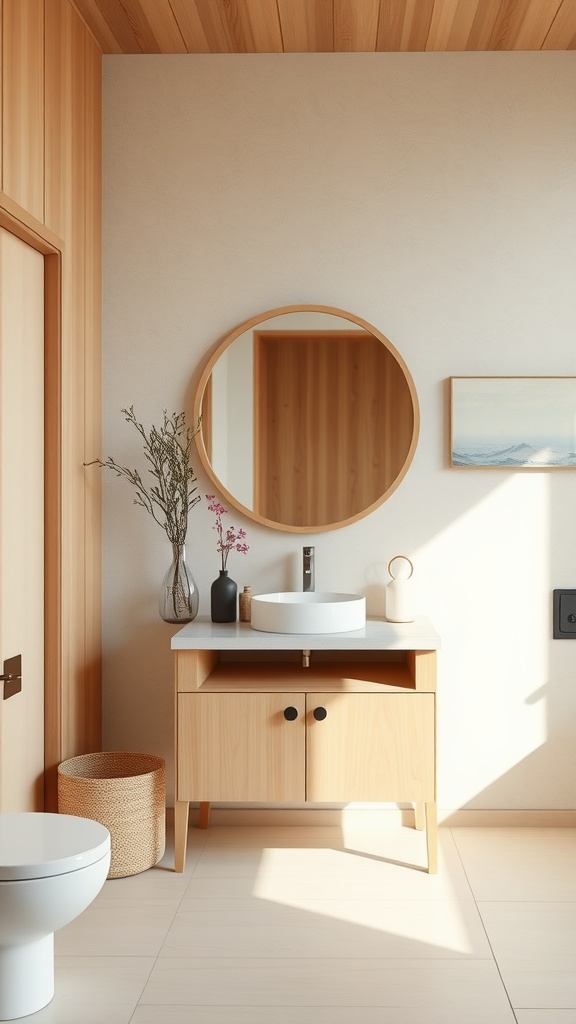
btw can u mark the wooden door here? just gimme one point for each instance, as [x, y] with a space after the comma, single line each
[370, 747]
[240, 746]
[22, 520]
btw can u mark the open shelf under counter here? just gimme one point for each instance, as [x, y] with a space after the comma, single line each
[340, 677]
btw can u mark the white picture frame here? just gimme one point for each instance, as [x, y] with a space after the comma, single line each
[513, 422]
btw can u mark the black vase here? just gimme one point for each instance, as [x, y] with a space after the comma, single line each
[223, 595]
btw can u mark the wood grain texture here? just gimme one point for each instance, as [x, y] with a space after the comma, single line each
[1, 97]
[450, 25]
[23, 103]
[193, 668]
[307, 25]
[532, 29]
[163, 27]
[338, 676]
[181, 813]
[385, 407]
[422, 668]
[432, 836]
[75, 739]
[404, 25]
[92, 393]
[51, 93]
[22, 520]
[562, 32]
[249, 26]
[189, 24]
[376, 743]
[333, 429]
[53, 640]
[240, 747]
[20, 224]
[113, 21]
[58, 119]
[355, 25]
[370, 747]
[321, 26]
[73, 211]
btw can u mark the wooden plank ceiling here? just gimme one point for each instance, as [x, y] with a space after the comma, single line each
[296, 26]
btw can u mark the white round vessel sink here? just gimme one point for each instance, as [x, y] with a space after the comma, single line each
[308, 612]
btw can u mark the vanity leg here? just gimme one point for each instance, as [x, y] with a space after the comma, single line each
[203, 814]
[419, 816]
[432, 838]
[181, 808]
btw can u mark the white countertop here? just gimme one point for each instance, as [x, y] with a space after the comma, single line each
[377, 635]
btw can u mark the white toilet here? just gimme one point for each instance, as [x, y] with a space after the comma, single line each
[51, 868]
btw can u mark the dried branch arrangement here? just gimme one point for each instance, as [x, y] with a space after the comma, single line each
[167, 450]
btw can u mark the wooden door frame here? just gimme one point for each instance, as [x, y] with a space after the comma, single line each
[19, 223]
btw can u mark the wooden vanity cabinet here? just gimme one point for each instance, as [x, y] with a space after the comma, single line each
[252, 727]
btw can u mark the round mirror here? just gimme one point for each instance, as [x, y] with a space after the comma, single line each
[309, 418]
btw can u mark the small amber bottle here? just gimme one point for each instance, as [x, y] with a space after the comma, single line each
[245, 602]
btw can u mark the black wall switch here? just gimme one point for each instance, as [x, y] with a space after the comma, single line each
[564, 615]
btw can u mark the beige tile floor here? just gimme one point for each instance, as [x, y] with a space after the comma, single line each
[299, 925]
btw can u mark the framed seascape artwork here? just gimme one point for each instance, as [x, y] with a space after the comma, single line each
[513, 422]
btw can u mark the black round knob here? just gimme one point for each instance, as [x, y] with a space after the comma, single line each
[290, 714]
[319, 714]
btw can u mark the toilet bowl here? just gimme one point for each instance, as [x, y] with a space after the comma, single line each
[51, 868]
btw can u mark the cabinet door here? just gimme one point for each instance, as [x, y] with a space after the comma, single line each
[370, 747]
[240, 746]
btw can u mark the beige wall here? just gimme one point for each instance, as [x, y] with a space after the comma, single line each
[434, 195]
[50, 176]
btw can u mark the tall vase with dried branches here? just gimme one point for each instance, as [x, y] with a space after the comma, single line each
[168, 500]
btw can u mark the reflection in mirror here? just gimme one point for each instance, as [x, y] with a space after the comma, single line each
[309, 418]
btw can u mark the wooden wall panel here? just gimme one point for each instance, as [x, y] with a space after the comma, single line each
[73, 209]
[51, 166]
[23, 103]
[58, 119]
[73, 401]
[1, 102]
[92, 727]
[53, 695]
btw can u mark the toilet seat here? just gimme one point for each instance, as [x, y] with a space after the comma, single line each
[40, 845]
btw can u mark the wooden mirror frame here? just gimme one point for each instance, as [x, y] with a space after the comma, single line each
[205, 377]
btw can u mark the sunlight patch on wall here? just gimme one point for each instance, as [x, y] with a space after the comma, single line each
[495, 637]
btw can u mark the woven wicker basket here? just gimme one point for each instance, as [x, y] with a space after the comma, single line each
[126, 792]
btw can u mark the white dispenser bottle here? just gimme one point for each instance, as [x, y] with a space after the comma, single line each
[399, 592]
